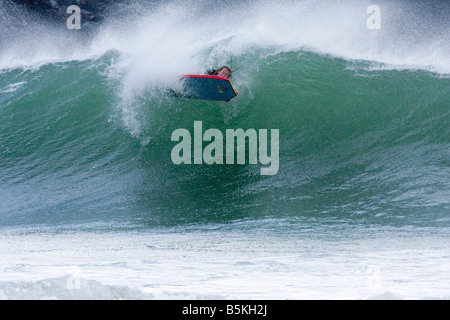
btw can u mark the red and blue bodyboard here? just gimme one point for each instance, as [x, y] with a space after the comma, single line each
[207, 87]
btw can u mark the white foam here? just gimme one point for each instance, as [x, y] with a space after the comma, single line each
[337, 28]
[160, 42]
[268, 259]
[12, 87]
[68, 288]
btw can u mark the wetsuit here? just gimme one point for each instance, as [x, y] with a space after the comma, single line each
[210, 72]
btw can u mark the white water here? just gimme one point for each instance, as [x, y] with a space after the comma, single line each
[162, 41]
[235, 261]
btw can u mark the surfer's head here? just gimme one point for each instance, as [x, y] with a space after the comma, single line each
[224, 72]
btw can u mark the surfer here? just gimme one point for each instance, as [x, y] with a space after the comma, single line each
[224, 72]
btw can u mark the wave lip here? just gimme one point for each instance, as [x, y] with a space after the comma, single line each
[165, 37]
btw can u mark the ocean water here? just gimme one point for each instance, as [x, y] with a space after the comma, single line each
[92, 206]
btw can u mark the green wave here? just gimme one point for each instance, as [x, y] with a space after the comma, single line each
[357, 141]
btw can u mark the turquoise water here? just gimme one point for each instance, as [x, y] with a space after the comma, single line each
[363, 187]
[370, 145]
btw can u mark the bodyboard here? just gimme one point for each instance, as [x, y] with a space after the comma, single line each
[207, 87]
